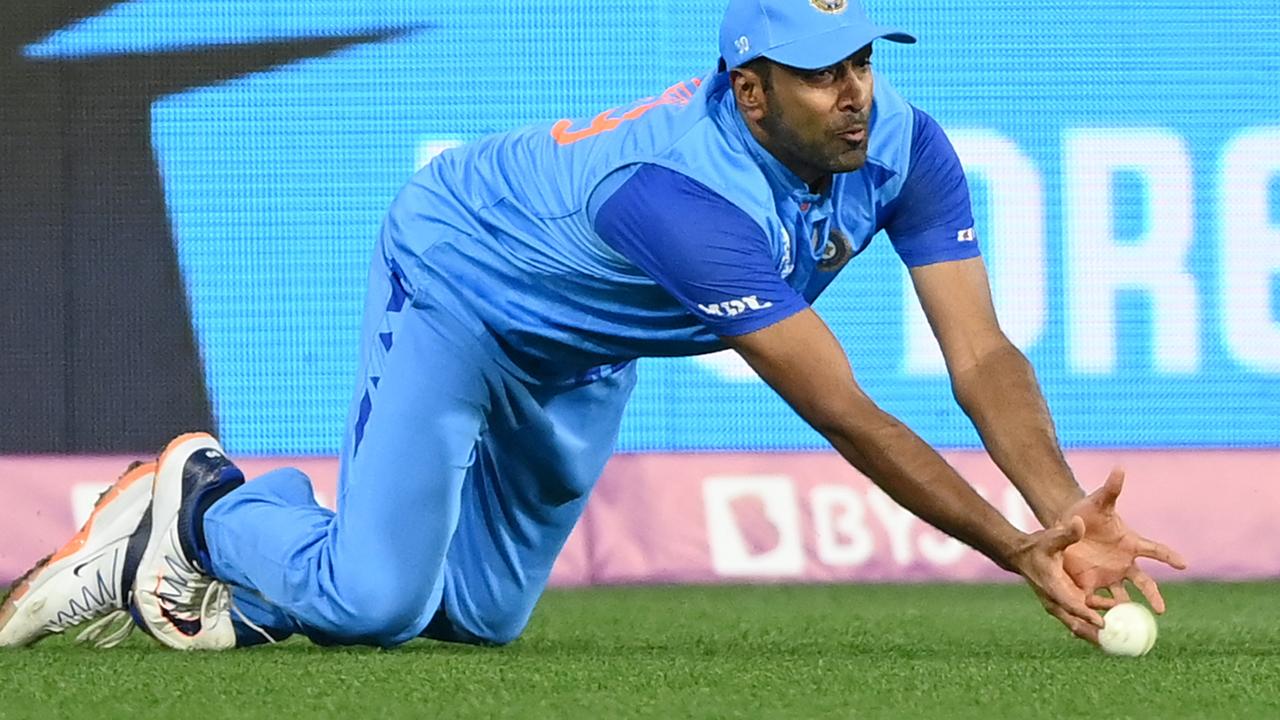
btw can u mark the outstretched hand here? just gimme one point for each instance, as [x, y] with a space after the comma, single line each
[1041, 562]
[1104, 557]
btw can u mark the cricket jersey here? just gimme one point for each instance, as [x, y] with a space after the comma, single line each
[658, 228]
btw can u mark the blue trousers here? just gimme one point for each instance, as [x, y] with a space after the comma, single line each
[459, 484]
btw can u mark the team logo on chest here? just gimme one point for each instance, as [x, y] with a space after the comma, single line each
[836, 252]
[831, 7]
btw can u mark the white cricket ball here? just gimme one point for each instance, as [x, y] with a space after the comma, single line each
[1129, 630]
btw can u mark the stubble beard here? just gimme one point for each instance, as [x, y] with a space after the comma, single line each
[823, 158]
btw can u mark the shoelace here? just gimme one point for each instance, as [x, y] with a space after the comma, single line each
[217, 603]
[107, 631]
[112, 629]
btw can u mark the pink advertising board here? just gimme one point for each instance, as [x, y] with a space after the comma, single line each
[803, 517]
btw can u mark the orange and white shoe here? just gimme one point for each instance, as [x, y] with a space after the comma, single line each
[91, 577]
[175, 599]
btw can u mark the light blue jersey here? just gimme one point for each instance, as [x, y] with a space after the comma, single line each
[519, 277]
[504, 229]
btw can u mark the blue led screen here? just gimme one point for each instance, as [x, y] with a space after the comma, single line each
[1124, 160]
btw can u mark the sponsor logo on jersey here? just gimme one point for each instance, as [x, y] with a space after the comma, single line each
[737, 306]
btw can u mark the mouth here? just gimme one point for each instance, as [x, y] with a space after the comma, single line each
[854, 135]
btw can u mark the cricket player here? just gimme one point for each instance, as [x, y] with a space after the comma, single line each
[514, 284]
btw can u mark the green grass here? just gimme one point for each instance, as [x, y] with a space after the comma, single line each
[751, 652]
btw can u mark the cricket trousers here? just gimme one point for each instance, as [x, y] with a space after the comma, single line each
[458, 486]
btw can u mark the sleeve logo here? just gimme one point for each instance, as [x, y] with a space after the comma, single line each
[965, 235]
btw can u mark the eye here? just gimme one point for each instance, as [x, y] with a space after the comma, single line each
[821, 75]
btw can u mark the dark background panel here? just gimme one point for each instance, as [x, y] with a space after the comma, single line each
[98, 348]
[97, 351]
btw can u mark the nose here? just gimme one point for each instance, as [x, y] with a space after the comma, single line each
[856, 90]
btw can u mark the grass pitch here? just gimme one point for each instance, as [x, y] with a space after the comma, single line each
[750, 652]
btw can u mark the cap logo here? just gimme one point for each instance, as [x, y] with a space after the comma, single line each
[831, 7]
[743, 44]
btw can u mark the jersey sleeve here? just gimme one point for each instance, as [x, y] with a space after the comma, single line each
[931, 220]
[704, 250]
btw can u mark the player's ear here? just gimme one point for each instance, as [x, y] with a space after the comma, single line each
[750, 91]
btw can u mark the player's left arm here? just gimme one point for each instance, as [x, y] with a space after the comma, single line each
[930, 222]
[997, 388]
[932, 230]
[995, 385]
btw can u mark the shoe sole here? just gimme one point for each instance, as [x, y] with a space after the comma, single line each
[52, 565]
[166, 503]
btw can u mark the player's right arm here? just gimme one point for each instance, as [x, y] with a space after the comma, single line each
[703, 250]
[801, 359]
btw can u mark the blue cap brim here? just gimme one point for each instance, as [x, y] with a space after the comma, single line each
[829, 48]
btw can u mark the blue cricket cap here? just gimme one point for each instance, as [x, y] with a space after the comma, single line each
[806, 34]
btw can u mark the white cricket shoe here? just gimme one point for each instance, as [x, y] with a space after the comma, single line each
[174, 599]
[89, 578]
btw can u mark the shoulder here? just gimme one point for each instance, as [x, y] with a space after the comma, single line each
[928, 139]
[662, 196]
[901, 130]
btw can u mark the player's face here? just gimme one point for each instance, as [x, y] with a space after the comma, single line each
[817, 122]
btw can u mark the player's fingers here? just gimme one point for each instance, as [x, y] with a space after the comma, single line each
[1110, 490]
[1089, 580]
[1078, 627]
[1148, 588]
[1071, 599]
[1119, 592]
[1058, 537]
[1101, 602]
[1160, 551]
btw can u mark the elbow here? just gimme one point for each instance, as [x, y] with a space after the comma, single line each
[847, 419]
[828, 416]
[987, 376]
[965, 394]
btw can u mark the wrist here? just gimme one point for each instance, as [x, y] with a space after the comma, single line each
[1059, 507]
[1008, 550]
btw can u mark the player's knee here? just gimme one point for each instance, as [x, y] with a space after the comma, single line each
[378, 623]
[501, 629]
[379, 614]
